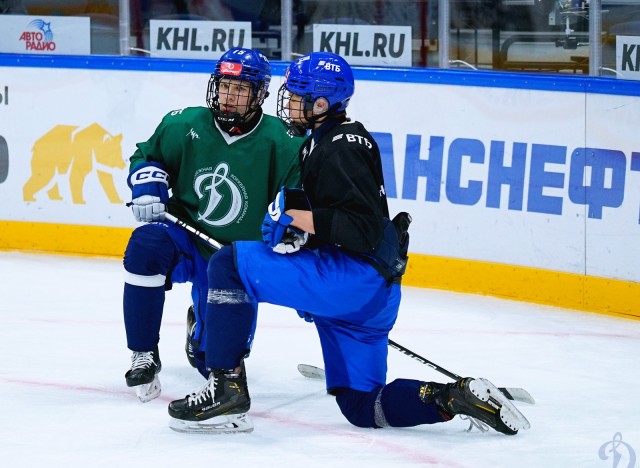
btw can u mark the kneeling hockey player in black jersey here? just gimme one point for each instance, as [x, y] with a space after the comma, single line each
[329, 250]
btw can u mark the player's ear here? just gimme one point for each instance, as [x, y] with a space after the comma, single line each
[320, 106]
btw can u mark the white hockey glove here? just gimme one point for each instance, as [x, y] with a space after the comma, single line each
[148, 208]
[292, 241]
[149, 184]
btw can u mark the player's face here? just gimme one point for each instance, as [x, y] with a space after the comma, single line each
[296, 109]
[234, 95]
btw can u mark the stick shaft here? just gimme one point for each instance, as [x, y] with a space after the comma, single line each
[212, 242]
[517, 394]
[417, 357]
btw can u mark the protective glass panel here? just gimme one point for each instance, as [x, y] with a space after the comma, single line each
[259, 20]
[369, 32]
[547, 36]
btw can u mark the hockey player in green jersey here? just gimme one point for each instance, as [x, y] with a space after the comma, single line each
[216, 168]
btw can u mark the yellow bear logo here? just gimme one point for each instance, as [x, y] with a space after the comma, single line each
[60, 151]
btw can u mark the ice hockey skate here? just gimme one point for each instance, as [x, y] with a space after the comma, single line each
[143, 375]
[190, 347]
[480, 399]
[219, 407]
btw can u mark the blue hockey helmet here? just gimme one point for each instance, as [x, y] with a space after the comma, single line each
[317, 75]
[240, 64]
[322, 74]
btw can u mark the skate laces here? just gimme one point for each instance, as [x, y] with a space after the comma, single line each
[473, 422]
[204, 393]
[141, 360]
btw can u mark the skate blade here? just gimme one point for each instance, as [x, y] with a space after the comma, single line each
[509, 414]
[148, 392]
[311, 372]
[224, 424]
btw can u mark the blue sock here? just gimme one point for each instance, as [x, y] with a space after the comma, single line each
[143, 314]
[399, 405]
[403, 407]
[150, 256]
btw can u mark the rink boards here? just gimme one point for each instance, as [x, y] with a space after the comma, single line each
[519, 186]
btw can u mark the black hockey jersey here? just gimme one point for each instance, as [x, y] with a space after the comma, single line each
[342, 177]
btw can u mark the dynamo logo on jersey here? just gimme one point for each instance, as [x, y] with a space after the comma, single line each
[223, 194]
[41, 39]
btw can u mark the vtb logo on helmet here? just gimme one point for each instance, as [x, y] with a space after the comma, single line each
[329, 66]
[247, 65]
[317, 75]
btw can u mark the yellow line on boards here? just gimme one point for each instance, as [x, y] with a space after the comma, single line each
[568, 290]
[64, 238]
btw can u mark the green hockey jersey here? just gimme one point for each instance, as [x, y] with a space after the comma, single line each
[221, 184]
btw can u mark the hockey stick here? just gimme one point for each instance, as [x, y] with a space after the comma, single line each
[512, 393]
[419, 358]
[212, 242]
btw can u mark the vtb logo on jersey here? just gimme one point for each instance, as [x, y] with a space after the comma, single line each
[358, 138]
[223, 196]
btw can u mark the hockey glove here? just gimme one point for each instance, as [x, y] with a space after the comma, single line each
[149, 185]
[292, 241]
[276, 222]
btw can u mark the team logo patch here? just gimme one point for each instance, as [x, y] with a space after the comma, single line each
[229, 68]
[223, 197]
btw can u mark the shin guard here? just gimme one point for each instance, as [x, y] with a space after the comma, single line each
[231, 313]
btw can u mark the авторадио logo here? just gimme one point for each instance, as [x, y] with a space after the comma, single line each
[41, 39]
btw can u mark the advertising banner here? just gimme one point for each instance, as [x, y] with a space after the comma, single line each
[69, 142]
[365, 45]
[62, 35]
[628, 57]
[197, 39]
[532, 178]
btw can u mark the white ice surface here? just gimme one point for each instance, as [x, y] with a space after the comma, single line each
[64, 403]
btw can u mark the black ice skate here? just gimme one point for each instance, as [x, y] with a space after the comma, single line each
[190, 346]
[480, 399]
[219, 407]
[143, 375]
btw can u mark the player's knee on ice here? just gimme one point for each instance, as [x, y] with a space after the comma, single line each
[357, 406]
[397, 404]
